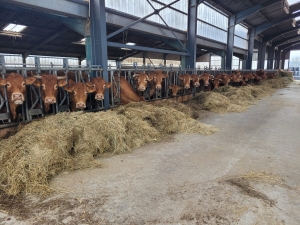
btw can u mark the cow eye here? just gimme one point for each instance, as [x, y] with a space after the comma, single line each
[86, 93]
[55, 86]
[74, 92]
[8, 84]
[23, 84]
[43, 86]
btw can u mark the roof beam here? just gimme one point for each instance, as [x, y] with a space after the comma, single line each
[242, 15]
[288, 45]
[282, 41]
[59, 7]
[56, 34]
[261, 28]
[147, 49]
[295, 7]
[273, 36]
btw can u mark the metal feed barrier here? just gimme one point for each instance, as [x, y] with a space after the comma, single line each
[33, 106]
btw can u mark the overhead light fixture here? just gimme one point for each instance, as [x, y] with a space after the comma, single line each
[298, 31]
[11, 34]
[81, 42]
[203, 50]
[130, 43]
[294, 23]
[128, 49]
[12, 27]
[286, 7]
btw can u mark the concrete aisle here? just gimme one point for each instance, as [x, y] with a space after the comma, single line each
[194, 179]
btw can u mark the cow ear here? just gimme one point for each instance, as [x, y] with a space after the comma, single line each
[30, 80]
[107, 85]
[165, 75]
[90, 87]
[2, 82]
[62, 83]
[135, 76]
[90, 84]
[150, 77]
[180, 77]
[170, 87]
[70, 87]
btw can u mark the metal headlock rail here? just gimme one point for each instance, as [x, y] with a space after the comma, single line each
[33, 105]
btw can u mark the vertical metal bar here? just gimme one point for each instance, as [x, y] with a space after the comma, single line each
[271, 57]
[250, 49]
[262, 55]
[192, 33]
[282, 60]
[99, 41]
[3, 72]
[37, 65]
[230, 41]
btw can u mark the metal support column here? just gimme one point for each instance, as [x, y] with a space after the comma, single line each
[271, 57]
[99, 41]
[230, 42]
[277, 58]
[144, 58]
[192, 33]
[250, 49]
[165, 60]
[261, 55]
[282, 60]
[223, 58]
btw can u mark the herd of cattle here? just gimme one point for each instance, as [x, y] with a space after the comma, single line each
[14, 86]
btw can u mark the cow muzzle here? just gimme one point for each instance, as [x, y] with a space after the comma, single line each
[197, 84]
[50, 100]
[186, 86]
[99, 97]
[141, 88]
[158, 87]
[80, 105]
[18, 98]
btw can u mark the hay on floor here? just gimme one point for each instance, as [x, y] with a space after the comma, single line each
[237, 99]
[69, 141]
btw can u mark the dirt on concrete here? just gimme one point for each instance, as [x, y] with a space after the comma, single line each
[247, 173]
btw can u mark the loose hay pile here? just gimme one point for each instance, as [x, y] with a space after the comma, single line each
[231, 99]
[69, 141]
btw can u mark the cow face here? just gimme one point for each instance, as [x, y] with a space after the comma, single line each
[226, 79]
[142, 81]
[49, 84]
[16, 87]
[195, 80]
[206, 77]
[78, 93]
[100, 86]
[217, 81]
[245, 77]
[157, 78]
[185, 79]
[174, 89]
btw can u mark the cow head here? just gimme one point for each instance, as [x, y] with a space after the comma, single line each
[226, 79]
[100, 86]
[16, 87]
[142, 81]
[206, 77]
[79, 92]
[174, 89]
[195, 80]
[217, 81]
[186, 79]
[157, 78]
[49, 84]
[245, 77]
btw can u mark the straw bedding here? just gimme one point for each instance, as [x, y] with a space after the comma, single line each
[232, 99]
[69, 141]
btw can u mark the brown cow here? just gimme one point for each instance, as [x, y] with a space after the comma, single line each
[142, 81]
[156, 79]
[174, 89]
[100, 86]
[127, 93]
[78, 93]
[185, 80]
[16, 90]
[217, 80]
[49, 84]
[206, 78]
[226, 79]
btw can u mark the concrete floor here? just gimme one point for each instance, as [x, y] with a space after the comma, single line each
[192, 179]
